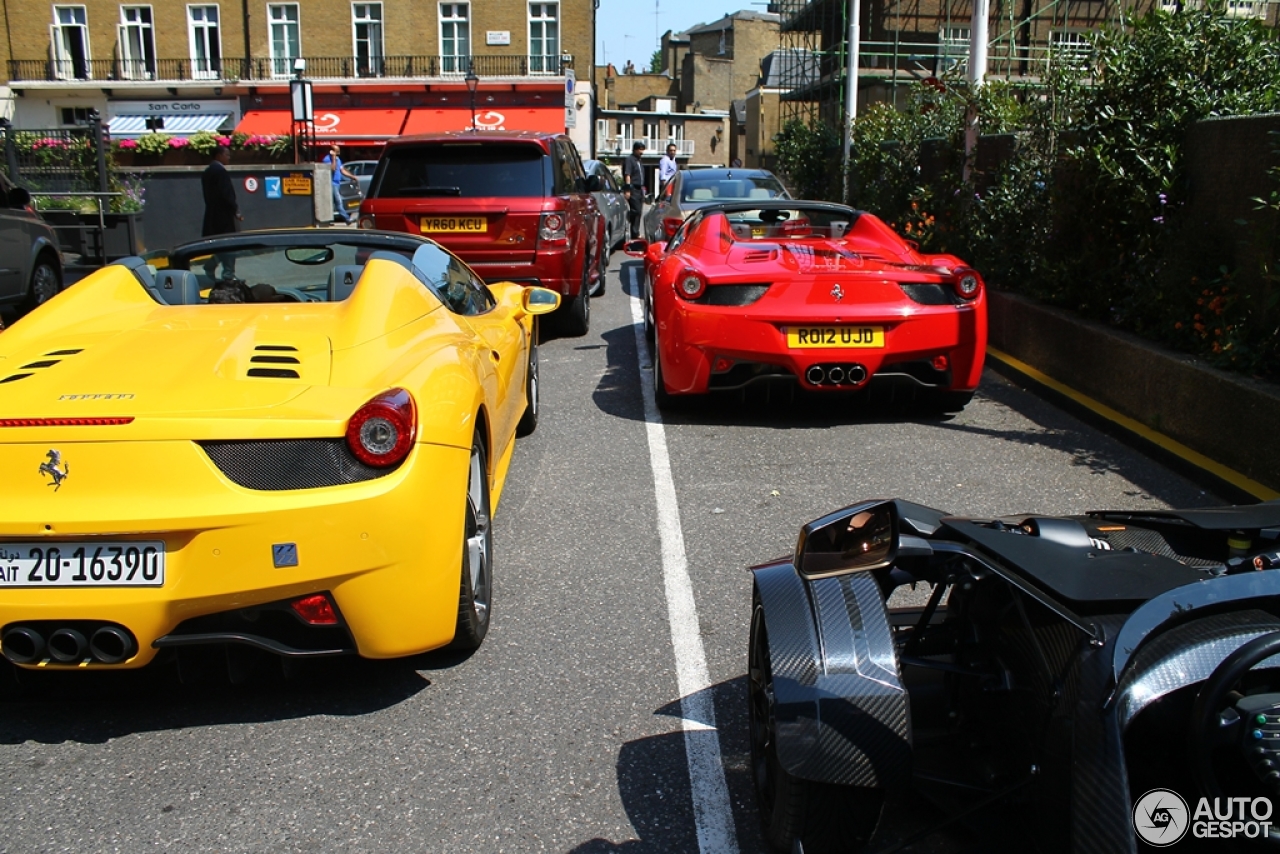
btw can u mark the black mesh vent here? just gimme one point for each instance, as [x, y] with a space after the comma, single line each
[14, 377]
[930, 294]
[731, 294]
[1156, 543]
[276, 464]
[63, 353]
[277, 373]
[275, 360]
[44, 363]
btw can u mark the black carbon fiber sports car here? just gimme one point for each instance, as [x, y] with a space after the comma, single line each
[1112, 680]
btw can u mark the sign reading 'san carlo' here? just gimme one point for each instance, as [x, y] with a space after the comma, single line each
[175, 107]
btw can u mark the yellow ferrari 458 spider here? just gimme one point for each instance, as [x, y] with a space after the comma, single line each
[284, 440]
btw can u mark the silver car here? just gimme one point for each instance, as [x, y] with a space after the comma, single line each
[691, 189]
[363, 170]
[611, 203]
[30, 263]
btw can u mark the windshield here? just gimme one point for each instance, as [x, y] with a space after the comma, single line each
[467, 170]
[731, 187]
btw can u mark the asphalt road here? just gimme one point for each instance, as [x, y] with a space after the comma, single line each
[575, 726]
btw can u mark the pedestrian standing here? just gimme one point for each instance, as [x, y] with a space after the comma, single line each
[339, 172]
[220, 208]
[633, 186]
[667, 167]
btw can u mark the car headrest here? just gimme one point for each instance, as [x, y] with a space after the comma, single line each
[700, 194]
[342, 281]
[760, 193]
[178, 287]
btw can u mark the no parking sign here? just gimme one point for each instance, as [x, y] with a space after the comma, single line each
[251, 184]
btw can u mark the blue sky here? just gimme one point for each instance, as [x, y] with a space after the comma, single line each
[630, 29]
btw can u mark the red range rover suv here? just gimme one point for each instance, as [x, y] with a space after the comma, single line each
[516, 206]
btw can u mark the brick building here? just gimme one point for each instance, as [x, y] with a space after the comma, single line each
[378, 68]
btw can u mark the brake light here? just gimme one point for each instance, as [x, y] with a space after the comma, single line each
[316, 610]
[670, 224]
[691, 284]
[381, 432]
[65, 422]
[552, 229]
[967, 282]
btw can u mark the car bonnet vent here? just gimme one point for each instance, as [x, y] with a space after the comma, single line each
[276, 355]
[48, 360]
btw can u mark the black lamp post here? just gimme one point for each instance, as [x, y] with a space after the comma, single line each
[472, 82]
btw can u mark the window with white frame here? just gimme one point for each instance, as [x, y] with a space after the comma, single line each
[1247, 8]
[69, 35]
[1070, 47]
[544, 38]
[137, 43]
[455, 38]
[205, 42]
[675, 131]
[366, 31]
[652, 133]
[626, 132]
[286, 40]
[953, 49]
[77, 116]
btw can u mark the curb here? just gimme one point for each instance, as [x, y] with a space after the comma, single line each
[1210, 425]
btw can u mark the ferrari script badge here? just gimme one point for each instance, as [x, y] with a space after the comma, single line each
[55, 468]
[837, 292]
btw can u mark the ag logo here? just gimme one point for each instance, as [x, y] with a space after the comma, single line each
[1160, 817]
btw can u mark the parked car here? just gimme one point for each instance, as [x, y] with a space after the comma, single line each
[352, 196]
[1100, 679]
[811, 293]
[30, 263]
[325, 448]
[516, 206]
[696, 188]
[611, 203]
[363, 170]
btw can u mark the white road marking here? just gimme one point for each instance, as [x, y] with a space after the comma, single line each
[711, 811]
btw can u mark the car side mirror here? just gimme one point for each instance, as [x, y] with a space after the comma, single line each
[593, 183]
[856, 539]
[636, 248]
[540, 301]
[19, 198]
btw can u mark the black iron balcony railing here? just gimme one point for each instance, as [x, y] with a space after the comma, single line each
[235, 70]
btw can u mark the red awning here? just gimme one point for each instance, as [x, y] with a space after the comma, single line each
[429, 120]
[350, 126]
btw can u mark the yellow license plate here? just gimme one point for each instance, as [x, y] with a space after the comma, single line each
[834, 337]
[454, 224]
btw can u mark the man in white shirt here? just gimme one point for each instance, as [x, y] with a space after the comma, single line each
[667, 167]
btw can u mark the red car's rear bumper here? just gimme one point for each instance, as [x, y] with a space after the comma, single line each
[702, 345]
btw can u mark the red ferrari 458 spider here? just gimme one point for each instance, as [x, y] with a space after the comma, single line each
[818, 293]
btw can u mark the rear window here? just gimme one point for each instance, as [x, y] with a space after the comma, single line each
[467, 170]
[739, 188]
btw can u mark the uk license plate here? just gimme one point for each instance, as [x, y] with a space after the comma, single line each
[834, 337]
[134, 564]
[452, 224]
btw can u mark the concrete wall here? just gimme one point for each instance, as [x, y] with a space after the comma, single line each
[1223, 416]
[175, 208]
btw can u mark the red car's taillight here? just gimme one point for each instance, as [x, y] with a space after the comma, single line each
[552, 229]
[670, 224]
[381, 432]
[691, 284]
[967, 282]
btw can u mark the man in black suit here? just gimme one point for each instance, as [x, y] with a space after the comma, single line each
[220, 209]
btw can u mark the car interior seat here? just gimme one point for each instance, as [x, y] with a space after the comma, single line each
[342, 281]
[178, 287]
[701, 194]
[760, 193]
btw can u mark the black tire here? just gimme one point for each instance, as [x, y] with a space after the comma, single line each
[44, 285]
[824, 817]
[606, 248]
[529, 420]
[949, 401]
[663, 399]
[574, 315]
[476, 589]
[648, 310]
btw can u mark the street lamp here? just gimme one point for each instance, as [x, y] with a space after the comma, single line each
[472, 82]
